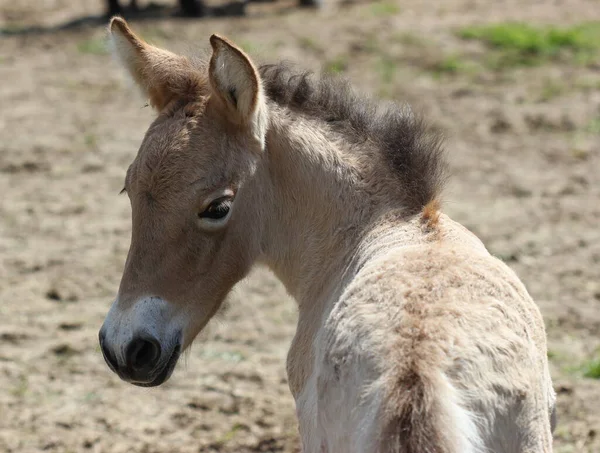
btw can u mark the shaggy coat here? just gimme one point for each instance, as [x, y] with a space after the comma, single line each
[411, 337]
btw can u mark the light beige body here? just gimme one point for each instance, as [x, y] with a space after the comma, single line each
[411, 338]
[434, 307]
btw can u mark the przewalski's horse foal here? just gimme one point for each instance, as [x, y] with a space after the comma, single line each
[411, 338]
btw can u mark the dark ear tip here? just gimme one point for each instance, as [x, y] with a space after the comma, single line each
[118, 26]
[118, 23]
[215, 40]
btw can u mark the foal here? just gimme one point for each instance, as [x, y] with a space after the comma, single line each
[411, 338]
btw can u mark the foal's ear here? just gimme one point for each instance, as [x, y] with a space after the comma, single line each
[161, 75]
[236, 83]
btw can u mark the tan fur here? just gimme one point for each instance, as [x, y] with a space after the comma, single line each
[236, 83]
[409, 339]
[161, 75]
[431, 213]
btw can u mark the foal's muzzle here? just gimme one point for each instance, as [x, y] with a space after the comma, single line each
[145, 361]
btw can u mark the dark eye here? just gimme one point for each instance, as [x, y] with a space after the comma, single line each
[217, 210]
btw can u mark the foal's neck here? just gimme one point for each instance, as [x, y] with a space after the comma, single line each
[324, 202]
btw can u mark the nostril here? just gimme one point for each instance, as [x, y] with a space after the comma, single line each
[143, 353]
[111, 360]
[147, 353]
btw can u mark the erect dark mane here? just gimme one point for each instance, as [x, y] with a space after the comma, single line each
[413, 151]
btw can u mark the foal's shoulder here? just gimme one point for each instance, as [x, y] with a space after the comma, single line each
[445, 264]
[448, 285]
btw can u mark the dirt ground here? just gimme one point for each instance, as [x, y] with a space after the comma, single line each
[524, 148]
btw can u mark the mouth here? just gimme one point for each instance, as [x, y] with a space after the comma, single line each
[164, 373]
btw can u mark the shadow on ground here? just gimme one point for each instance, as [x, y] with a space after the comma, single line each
[151, 12]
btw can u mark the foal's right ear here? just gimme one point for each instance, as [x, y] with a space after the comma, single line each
[235, 81]
[161, 75]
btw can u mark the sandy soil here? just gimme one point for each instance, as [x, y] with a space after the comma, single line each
[526, 170]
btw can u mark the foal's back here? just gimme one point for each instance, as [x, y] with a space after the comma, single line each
[435, 347]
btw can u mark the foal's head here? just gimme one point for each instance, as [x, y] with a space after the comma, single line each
[194, 213]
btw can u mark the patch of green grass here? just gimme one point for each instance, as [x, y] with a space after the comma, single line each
[580, 153]
[409, 39]
[592, 369]
[336, 65]
[559, 358]
[310, 44]
[93, 46]
[369, 45]
[231, 434]
[588, 84]
[593, 127]
[387, 69]
[551, 89]
[229, 356]
[155, 35]
[568, 448]
[91, 396]
[451, 64]
[21, 386]
[247, 45]
[385, 9]
[521, 44]
[91, 140]
[13, 28]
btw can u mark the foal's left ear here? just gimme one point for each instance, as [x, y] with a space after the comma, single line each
[236, 83]
[161, 75]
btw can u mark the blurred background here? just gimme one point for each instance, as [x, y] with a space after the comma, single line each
[515, 86]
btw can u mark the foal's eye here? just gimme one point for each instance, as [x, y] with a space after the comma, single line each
[217, 210]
